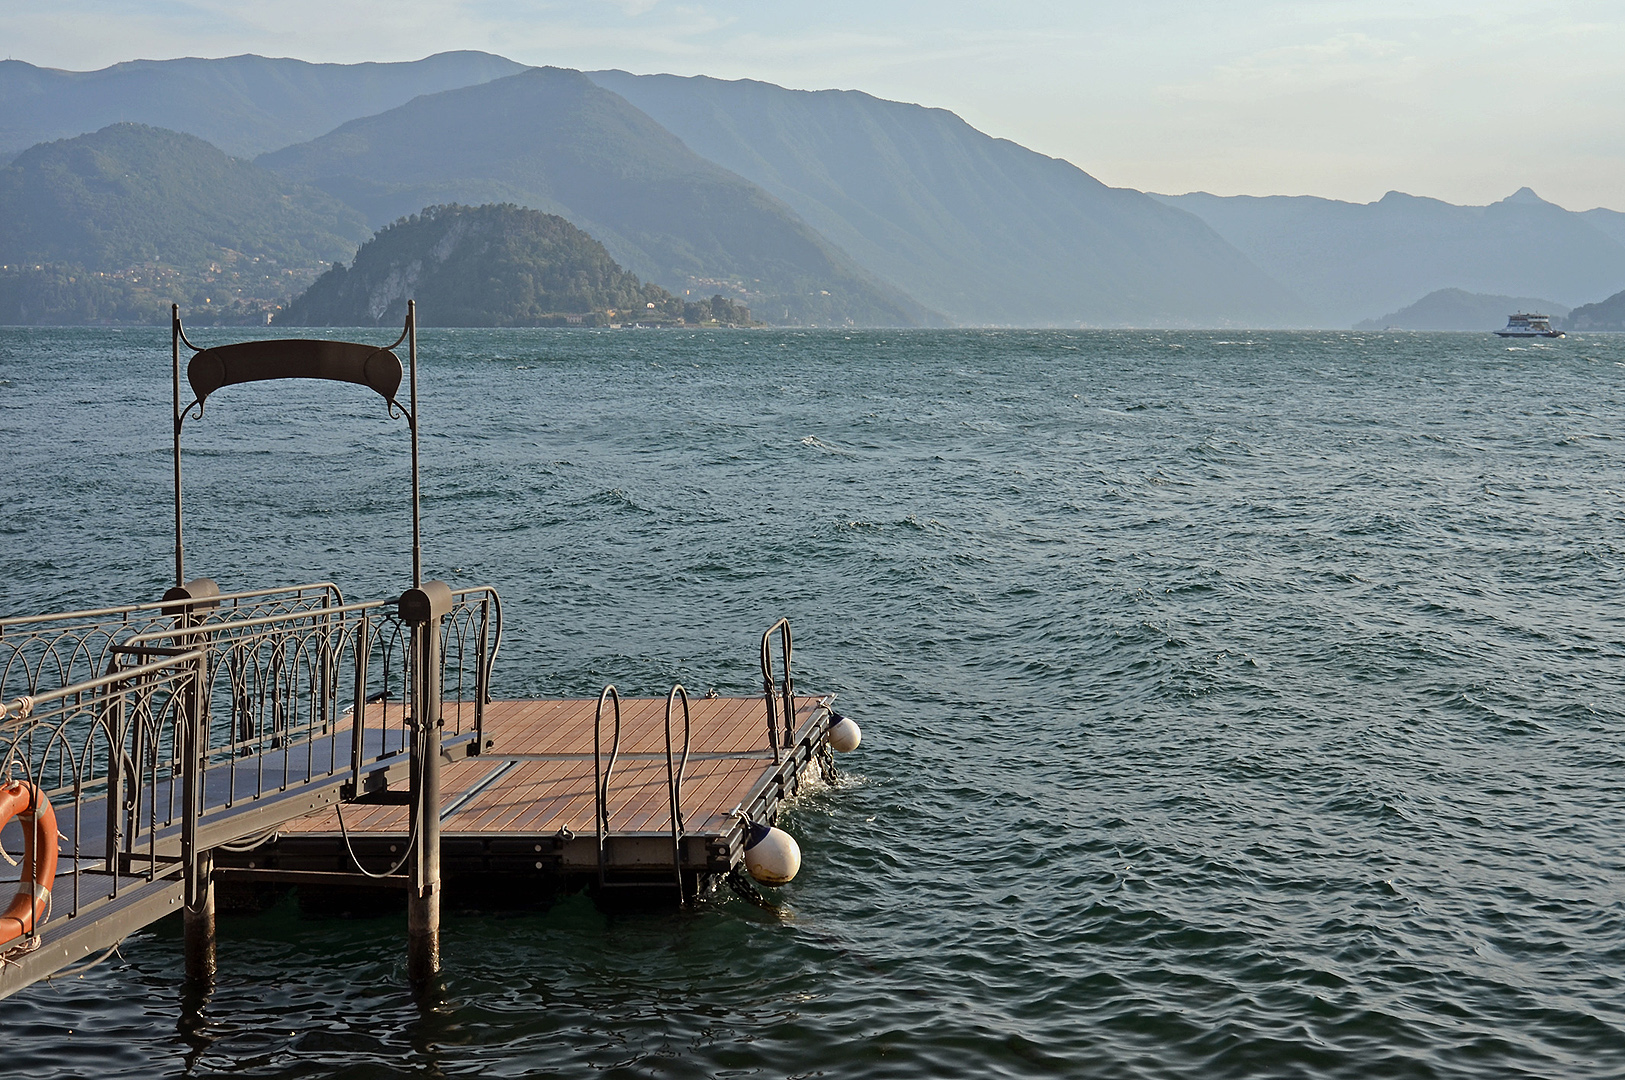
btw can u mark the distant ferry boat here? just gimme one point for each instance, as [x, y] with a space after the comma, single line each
[1521, 325]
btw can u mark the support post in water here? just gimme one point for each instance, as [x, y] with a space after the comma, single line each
[422, 608]
[198, 915]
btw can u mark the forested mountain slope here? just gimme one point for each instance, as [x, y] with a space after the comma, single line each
[114, 225]
[552, 140]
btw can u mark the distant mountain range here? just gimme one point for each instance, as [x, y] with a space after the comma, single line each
[1454, 309]
[245, 105]
[1350, 261]
[979, 228]
[827, 207]
[554, 141]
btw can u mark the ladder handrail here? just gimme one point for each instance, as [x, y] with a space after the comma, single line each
[601, 772]
[785, 690]
[674, 786]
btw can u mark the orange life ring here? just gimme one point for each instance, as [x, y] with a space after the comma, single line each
[27, 803]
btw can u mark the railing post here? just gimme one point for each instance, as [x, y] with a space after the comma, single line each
[422, 609]
[362, 645]
[118, 729]
[199, 892]
[198, 913]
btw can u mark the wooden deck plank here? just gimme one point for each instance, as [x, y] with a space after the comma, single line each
[550, 784]
[455, 778]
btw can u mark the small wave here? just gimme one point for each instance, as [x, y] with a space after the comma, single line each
[615, 497]
[819, 444]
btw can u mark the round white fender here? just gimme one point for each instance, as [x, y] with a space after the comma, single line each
[844, 733]
[771, 855]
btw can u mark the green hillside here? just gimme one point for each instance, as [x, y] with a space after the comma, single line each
[552, 140]
[495, 265]
[135, 215]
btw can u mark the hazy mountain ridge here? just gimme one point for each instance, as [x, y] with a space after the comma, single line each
[1351, 260]
[1456, 309]
[980, 228]
[245, 105]
[814, 206]
[552, 140]
[115, 224]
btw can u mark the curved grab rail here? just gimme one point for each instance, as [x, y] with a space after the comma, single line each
[601, 772]
[490, 657]
[785, 691]
[674, 786]
[478, 611]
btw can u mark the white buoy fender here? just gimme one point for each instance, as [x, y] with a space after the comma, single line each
[844, 733]
[771, 855]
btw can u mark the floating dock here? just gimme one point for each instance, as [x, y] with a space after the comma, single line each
[526, 806]
[262, 738]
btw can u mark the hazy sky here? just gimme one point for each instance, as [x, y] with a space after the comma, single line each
[1344, 98]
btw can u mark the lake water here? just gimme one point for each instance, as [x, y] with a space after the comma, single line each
[1234, 704]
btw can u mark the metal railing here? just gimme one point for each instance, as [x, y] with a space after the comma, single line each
[674, 785]
[294, 697]
[601, 772]
[470, 636]
[46, 652]
[780, 695]
[291, 698]
[103, 752]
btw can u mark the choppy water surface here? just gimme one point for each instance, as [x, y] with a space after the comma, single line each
[1234, 705]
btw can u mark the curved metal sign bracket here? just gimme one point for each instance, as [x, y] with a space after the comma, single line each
[257, 361]
[372, 366]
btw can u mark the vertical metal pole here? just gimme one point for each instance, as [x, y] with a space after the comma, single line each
[423, 897]
[199, 912]
[175, 351]
[412, 357]
[362, 645]
[482, 689]
[117, 730]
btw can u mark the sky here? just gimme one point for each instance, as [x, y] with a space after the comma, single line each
[1347, 99]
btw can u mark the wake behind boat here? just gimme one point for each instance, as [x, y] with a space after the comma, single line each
[1522, 325]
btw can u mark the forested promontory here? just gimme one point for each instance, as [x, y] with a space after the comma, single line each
[492, 265]
[1606, 314]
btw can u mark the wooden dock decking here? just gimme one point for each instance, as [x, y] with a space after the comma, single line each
[526, 804]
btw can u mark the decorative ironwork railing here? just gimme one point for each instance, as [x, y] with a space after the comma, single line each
[103, 752]
[39, 653]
